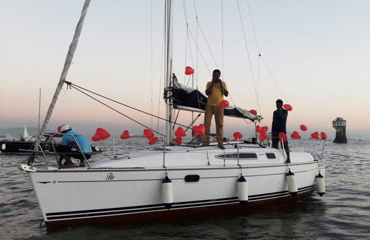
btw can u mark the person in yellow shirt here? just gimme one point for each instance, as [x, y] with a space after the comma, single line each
[215, 90]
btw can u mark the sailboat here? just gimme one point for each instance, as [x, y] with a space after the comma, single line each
[12, 146]
[172, 182]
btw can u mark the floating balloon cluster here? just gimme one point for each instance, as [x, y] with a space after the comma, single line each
[282, 136]
[262, 131]
[149, 134]
[224, 104]
[198, 130]
[102, 134]
[179, 134]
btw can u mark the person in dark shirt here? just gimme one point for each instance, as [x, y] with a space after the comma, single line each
[278, 126]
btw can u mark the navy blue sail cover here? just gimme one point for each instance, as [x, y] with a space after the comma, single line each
[190, 99]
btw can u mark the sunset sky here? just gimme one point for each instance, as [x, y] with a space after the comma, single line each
[318, 52]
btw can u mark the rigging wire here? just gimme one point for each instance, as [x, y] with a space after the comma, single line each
[249, 59]
[208, 46]
[258, 49]
[273, 78]
[187, 41]
[151, 61]
[196, 44]
[204, 37]
[258, 73]
[112, 100]
[264, 62]
[222, 46]
[141, 124]
[254, 30]
[222, 38]
[196, 17]
[187, 36]
[161, 69]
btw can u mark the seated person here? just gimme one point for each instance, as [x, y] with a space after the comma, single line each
[69, 148]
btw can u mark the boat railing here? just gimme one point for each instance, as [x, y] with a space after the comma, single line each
[319, 152]
[51, 139]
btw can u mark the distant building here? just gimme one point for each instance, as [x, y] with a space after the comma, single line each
[340, 126]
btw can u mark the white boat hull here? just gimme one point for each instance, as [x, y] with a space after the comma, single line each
[73, 197]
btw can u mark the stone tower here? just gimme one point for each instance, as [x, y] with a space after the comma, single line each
[340, 126]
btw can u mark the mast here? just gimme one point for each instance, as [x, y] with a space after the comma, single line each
[38, 125]
[169, 59]
[67, 64]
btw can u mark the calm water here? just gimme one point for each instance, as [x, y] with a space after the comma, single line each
[343, 212]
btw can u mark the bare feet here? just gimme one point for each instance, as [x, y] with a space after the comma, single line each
[287, 161]
[82, 163]
[68, 166]
[221, 147]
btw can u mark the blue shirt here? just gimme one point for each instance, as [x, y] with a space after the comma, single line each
[81, 140]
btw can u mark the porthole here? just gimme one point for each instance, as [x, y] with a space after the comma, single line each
[191, 178]
[270, 155]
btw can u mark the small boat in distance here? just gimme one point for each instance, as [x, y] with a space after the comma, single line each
[359, 138]
[25, 144]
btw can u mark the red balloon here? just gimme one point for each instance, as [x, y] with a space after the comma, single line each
[263, 136]
[96, 138]
[303, 128]
[125, 135]
[178, 140]
[258, 128]
[323, 135]
[253, 111]
[153, 140]
[199, 130]
[224, 103]
[180, 132]
[264, 129]
[288, 107]
[315, 135]
[295, 135]
[238, 135]
[282, 137]
[189, 70]
[100, 134]
[149, 134]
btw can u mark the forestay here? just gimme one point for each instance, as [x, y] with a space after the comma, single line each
[190, 99]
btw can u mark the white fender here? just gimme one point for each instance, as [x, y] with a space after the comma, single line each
[167, 192]
[292, 186]
[320, 184]
[242, 185]
[3, 146]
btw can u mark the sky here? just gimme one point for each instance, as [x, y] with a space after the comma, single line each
[317, 52]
